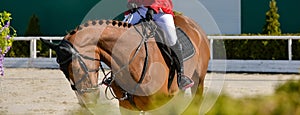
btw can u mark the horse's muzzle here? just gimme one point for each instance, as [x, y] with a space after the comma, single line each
[88, 99]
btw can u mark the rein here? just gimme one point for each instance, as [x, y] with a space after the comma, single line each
[146, 27]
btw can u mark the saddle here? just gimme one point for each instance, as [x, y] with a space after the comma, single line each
[188, 50]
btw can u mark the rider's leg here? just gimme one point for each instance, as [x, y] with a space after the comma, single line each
[166, 22]
[184, 81]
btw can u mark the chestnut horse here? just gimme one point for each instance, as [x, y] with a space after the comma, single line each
[140, 73]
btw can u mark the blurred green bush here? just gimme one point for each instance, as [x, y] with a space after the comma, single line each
[285, 101]
[252, 49]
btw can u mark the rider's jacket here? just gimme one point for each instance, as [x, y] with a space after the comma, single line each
[164, 5]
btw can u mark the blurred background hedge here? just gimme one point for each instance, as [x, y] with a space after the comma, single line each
[257, 49]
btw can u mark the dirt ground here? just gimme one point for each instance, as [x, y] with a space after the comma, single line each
[46, 91]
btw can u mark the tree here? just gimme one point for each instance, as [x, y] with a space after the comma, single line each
[22, 48]
[272, 26]
[33, 28]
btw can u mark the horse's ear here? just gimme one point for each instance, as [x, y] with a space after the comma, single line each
[49, 44]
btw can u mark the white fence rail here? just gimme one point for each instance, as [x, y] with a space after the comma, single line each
[33, 50]
[269, 66]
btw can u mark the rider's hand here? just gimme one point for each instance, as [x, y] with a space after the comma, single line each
[149, 14]
[132, 7]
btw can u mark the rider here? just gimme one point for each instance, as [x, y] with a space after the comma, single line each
[161, 12]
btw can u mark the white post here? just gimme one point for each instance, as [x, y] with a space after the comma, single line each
[50, 50]
[33, 48]
[290, 48]
[211, 48]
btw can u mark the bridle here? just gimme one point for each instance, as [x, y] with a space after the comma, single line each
[68, 48]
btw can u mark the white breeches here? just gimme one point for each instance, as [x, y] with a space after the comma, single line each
[164, 21]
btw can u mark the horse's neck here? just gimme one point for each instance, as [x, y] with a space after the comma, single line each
[88, 35]
[119, 44]
[102, 39]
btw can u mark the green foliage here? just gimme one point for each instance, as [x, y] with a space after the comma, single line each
[289, 87]
[296, 49]
[285, 101]
[272, 26]
[256, 49]
[7, 33]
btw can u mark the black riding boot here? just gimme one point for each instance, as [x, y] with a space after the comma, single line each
[183, 81]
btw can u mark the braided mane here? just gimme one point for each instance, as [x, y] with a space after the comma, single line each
[101, 22]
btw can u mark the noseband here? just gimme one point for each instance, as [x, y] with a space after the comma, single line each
[68, 49]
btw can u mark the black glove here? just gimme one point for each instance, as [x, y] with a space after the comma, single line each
[132, 7]
[149, 14]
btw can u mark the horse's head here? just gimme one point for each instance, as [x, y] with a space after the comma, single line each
[79, 70]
